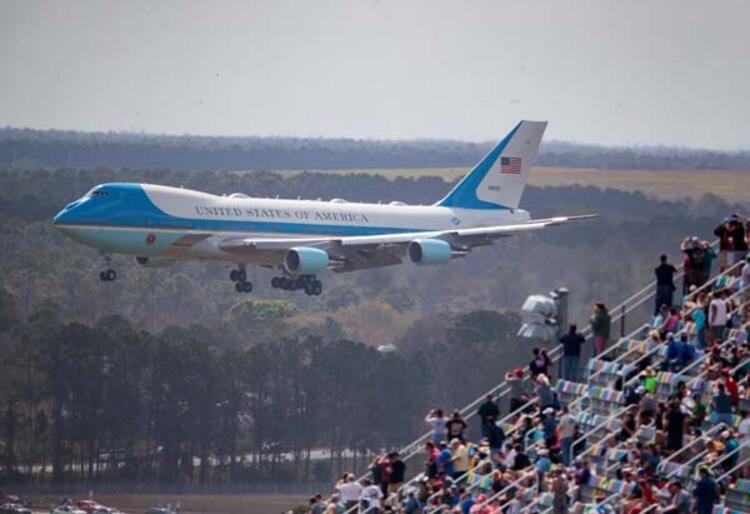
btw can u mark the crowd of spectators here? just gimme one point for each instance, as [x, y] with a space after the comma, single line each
[678, 447]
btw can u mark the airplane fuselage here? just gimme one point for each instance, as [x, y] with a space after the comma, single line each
[160, 221]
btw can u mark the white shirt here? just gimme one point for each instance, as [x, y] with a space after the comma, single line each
[514, 507]
[718, 312]
[744, 428]
[438, 426]
[349, 491]
[372, 495]
[567, 426]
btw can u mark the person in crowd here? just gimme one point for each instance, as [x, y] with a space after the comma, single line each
[317, 505]
[664, 284]
[600, 327]
[673, 352]
[672, 322]
[723, 232]
[718, 316]
[371, 497]
[679, 500]
[455, 427]
[538, 364]
[436, 420]
[516, 386]
[460, 458]
[545, 397]
[567, 429]
[745, 279]
[722, 406]
[705, 492]
[431, 462]
[687, 352]
[349, 490]
[488, 413]
[571, 343]
[396, 472]
[445, 461]
[739, 241]
[411, 504]
[676, 423]
[696, 259]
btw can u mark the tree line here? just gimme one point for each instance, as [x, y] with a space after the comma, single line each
[55, 148]
[111, 402]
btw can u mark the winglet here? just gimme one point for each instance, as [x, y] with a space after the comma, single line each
[498, 180]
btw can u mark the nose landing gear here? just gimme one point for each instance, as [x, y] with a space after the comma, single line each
[107, 274]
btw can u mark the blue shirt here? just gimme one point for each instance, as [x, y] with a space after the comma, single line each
[673, 350]
[687, 353]
[543, 464]
[444, 461]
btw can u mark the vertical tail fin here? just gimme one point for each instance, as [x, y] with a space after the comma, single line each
[498, 180]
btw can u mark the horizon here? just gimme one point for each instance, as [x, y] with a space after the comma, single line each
[671, 73]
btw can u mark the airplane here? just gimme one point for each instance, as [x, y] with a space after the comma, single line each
[159, 225]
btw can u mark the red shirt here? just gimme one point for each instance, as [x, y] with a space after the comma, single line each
[732, 389]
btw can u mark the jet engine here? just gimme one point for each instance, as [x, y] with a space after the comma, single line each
[153, 262]
[429, 251]
[305, 260]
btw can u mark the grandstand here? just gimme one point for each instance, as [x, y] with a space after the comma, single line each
[660, 423]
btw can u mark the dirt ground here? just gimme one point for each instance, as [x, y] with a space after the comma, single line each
[192, 504]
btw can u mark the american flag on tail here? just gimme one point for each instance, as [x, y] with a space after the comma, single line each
[510, 165]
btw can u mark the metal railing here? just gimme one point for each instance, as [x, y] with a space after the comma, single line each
[618, 314]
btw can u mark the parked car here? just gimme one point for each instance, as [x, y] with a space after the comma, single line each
[162, 509]
[13, 508]
[89, 506]
[67, 509]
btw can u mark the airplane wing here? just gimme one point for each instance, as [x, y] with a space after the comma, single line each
[361, 252]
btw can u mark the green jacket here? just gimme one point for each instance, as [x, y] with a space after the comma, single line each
[600, 323]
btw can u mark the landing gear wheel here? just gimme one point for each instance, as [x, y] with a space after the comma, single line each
[103, 276]
[275, 282]
[111, 275]
[308, 289]
[243, 287]
[317, 288]
[234, 275]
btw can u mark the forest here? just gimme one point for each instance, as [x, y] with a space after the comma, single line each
[57, 148]
[168, 364]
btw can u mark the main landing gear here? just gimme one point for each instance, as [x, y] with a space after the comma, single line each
[309, 283]
[239, 277]
[108, 274]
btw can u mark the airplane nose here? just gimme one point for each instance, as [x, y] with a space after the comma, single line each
[64, 215]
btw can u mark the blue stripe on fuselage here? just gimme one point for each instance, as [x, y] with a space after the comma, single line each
[128, 206]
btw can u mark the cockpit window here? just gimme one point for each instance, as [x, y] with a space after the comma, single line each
[98, 192]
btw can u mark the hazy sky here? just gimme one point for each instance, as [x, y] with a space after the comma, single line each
[613, 72]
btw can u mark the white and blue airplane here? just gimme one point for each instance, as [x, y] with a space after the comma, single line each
[160, 225]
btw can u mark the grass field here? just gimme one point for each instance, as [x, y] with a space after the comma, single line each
[733, 185]
[192, 503]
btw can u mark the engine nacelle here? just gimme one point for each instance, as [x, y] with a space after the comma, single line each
[153, 262]
[429, 251]
[304, 260]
